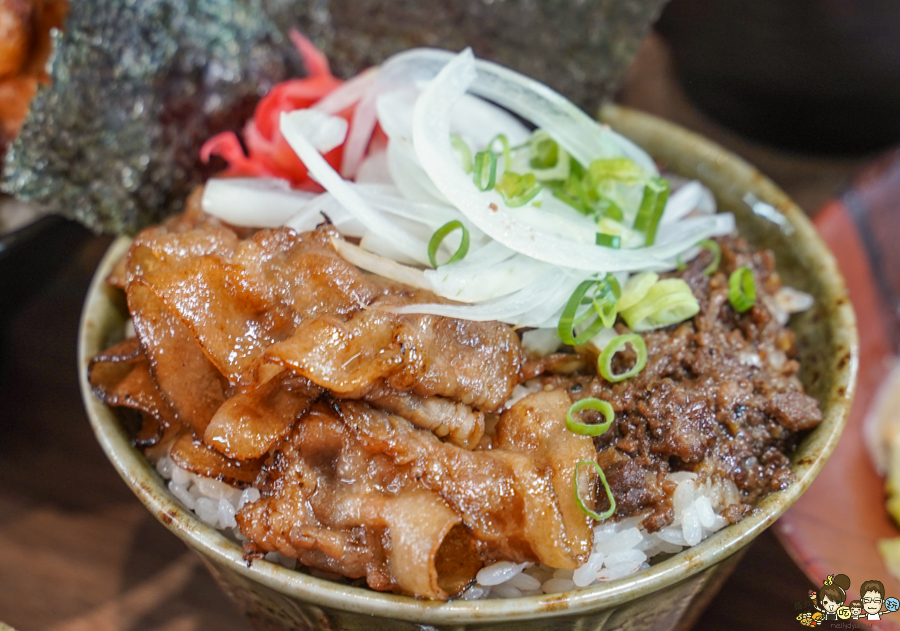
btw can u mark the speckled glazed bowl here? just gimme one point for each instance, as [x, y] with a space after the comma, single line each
[668, 595]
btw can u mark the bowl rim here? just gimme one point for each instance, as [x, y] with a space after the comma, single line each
[144, 481]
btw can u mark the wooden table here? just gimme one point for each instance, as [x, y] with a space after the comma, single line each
[77, 549]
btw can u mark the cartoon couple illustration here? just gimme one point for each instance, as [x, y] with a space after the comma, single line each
[830, 599]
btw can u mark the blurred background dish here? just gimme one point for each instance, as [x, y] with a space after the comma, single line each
[813, 76]
[861, 225]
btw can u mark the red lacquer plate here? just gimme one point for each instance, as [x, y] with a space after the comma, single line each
[835, 526]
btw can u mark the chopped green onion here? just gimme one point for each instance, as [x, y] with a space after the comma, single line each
[506, 153]
[601, 303]
[565, 193]
[612, 501]
[572, 190]
[438, 237]
[667, 302]
[636, 288]
[713, 247]
[680, 264]
[616, 169]
[518, 190]
[609, 240]
[741, 289]
[548, 161]
[465, 154]
[656, 193]
[485, 170]
[606, 300]
[609, 209]
[593, 429]
[544, 151]
[611, 226]
[604, 363]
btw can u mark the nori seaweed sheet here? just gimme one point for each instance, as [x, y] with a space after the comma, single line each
[581, 48]
[137, 87]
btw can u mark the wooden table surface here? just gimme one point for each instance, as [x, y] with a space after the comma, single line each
[77, 549]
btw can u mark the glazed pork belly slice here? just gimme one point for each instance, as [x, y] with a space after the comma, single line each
[338, 507]
[476, 363]
[279, 285]
[260, 417]
[121, 377]
[187, 380]
[517, 500]
[360, 492]
[456, 422]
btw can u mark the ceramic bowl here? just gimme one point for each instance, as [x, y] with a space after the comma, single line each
[668, 594]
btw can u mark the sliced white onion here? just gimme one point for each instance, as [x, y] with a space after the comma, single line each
[323, 131]
[343, 192]
[348, 93]
[252, 202]
[486, 209]
[380, 265]
[390, 200]
[364, 117]
[583, 137]
[485, 282]
[690, 197]
[472, 118]
[523, 263]
[541, 341]
[318, 208]
[374, 169]
[408, 174]
[547, 314]
[506, 309]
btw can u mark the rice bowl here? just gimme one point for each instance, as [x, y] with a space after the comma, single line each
[826, 337]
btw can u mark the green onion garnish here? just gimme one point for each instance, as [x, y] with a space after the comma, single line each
[569, 193]
[518, 190]
[667, 302]
[465, 154]
[636, 288]
[438, 237]
[544, 152]
[612, 501]
[609, 209]
[593, 429]
[609, 240]
[604, 301]
[656, 193]
[712, 246]
[741, 289]
[567, 322]
[485, 170]
[604, 363]
[616, 169]
[506, 153]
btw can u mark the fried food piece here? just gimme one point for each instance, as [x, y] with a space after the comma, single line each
[15, 35]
